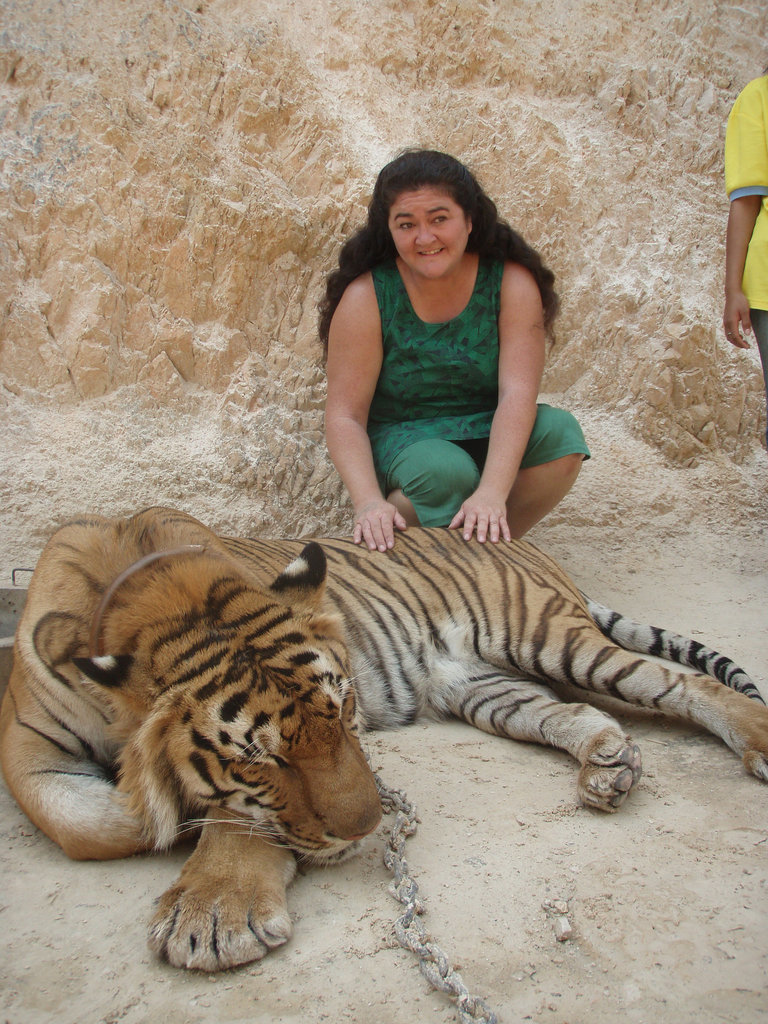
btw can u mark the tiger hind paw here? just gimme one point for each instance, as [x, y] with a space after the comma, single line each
[756, 762]
[609, 773]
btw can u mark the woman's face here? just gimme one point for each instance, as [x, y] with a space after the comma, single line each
[430, 231]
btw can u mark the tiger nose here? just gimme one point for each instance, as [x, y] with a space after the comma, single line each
[368, 818]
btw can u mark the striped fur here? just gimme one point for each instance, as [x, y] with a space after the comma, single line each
[662, 643]
[164, 675]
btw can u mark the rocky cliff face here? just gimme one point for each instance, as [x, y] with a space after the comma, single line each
[176, 181]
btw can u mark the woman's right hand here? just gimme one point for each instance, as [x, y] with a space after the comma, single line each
[375, 524]
[736, 319]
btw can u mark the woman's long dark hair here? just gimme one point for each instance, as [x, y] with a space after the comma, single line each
[491, 237]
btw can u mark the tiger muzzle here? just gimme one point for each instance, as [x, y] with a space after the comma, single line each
[342, 793]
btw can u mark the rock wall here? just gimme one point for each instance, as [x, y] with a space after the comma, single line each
[176, 180]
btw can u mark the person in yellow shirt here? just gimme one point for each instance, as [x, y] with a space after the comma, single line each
[746, 243]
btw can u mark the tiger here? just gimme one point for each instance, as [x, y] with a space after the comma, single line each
[167, 678]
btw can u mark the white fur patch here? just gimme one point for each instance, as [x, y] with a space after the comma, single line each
[106, 662]
[269, 738]
[299, 567]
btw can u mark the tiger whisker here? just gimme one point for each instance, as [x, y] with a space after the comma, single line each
[266, 833]
[190, 825]
[260, 830]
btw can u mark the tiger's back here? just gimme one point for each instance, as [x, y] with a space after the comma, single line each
[432, 606]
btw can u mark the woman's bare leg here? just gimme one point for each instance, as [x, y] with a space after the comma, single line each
[538, 490]
[404, 507]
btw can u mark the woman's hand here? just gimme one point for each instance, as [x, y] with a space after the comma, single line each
[375, 523]
[484, 514]
[736, 318]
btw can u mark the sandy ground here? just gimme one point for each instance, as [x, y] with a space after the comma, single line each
[668, 899]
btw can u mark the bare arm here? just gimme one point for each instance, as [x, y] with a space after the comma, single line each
[522, 341]
[354, 363]
[741, 222]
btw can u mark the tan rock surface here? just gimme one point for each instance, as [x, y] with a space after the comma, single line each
[177, 180]
[175, 183]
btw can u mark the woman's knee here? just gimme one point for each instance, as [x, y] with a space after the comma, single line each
[568, 467]
[549, 480]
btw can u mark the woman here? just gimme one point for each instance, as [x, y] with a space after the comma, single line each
[435, 326]
[746, 241]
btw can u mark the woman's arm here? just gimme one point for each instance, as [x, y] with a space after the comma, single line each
[354, 363]
[741, 222]
[522, 345]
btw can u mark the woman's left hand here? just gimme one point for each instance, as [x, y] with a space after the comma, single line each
[484, 515]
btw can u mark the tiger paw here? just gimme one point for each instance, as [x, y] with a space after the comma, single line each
[756, 763]
[610, 771]
[213, 932]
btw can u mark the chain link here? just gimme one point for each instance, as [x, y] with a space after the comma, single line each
[410, 933]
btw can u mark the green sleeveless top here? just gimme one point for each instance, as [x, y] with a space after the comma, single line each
[437, 380]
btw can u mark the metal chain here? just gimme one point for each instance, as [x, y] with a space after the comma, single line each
[433, 963]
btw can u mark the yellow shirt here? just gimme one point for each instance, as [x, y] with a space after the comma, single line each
[746, 173]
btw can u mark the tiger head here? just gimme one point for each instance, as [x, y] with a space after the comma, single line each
[239, 696]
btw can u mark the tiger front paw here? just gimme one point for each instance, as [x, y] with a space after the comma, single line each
[612, 767]
[229, 906]
[202, 931]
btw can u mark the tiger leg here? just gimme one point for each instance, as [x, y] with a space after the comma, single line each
[523, 710]
[742, 723]
[229, 905]
[68, 797]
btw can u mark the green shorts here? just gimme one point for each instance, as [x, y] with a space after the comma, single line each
[438, 475]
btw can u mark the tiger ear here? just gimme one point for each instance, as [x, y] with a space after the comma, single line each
[106, 670]
[302, 583]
